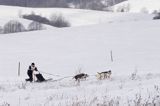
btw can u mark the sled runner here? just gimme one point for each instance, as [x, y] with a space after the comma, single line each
[46, 80]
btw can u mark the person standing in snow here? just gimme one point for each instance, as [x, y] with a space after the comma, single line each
[30, 71]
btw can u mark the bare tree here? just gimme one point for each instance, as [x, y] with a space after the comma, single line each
[13, 26]
[58, 20]
[157, 16]
[1, 30]
[35, 26]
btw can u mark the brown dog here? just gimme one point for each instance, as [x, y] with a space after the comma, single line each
[80, 76]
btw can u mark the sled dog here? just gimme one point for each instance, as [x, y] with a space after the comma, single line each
[80, 76]
[104, 75]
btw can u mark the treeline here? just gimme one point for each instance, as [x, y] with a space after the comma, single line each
[35, 3]
[85, 4]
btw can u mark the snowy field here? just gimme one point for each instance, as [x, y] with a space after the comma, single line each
[133, 39]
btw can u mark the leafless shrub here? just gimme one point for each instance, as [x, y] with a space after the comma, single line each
[137, 100]
[13, 26]
[1, 30]
[154, 12]
[22, 85]
[157, 16]
[58, 20]
[134, 75]
[5, 104]
[35, 26]
[93, 101]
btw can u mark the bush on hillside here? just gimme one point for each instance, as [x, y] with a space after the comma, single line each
[157, 16]
[155, 12]
[1, 30]
[36, 18]
[13, 26]
[59, 21]
[35, 26]
[56, 20]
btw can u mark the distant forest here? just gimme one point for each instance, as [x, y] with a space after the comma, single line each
[61, 3]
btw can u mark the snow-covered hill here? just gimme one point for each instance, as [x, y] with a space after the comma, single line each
[76, 17]
[132, 38]
[138, 6]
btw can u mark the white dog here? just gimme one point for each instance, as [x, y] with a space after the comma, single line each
[104, 75]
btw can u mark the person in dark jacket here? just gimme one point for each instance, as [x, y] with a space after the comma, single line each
[34, 74]
[30, 71]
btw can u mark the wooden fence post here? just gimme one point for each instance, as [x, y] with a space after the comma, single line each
[111, 56]
[19, 68]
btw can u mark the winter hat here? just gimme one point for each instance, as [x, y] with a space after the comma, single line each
[32, 64]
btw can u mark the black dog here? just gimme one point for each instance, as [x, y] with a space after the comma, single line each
[80, 76]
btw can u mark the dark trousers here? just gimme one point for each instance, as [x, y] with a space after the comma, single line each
[30, 76]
